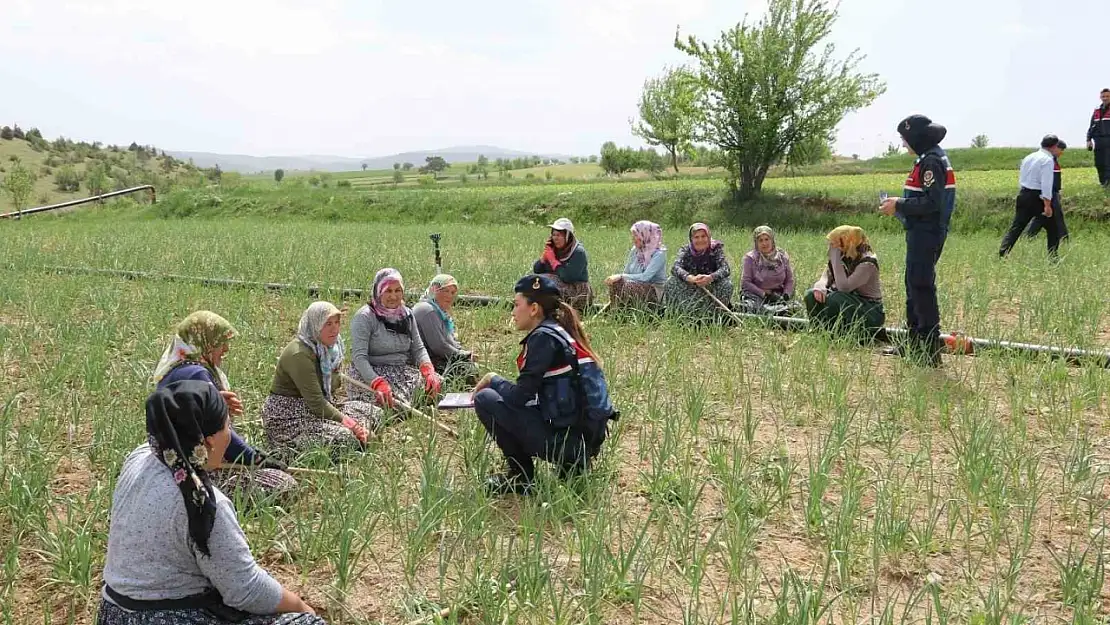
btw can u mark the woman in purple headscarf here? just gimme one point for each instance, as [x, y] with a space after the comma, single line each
[701, 265]
[641, 284]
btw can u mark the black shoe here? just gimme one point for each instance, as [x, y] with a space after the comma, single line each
[508, 484]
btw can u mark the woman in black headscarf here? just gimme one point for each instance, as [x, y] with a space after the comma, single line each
[176, 553]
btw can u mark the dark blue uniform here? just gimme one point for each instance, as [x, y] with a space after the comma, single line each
[925, 209]
[537, 415]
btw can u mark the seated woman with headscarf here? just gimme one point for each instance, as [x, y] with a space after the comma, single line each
[196, 352]
[701, 266]
[302, 410]
[564, 260]
[387, 353]
[768, 282]
[176, 552]
[641, 284]
[849, 296]
[437, 330]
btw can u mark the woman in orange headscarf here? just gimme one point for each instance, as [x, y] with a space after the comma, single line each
[848, 296]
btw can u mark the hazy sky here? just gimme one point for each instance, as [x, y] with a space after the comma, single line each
[366, 78]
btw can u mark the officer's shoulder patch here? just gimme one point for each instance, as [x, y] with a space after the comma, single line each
[928, 178]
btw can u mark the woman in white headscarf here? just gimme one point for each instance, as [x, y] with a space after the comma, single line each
[302, 410]
[437, 329]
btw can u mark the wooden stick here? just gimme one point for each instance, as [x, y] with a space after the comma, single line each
[602, 311]
[295, 470]
[402, 404]
[722, 305]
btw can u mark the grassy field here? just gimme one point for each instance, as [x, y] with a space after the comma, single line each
[984, 199]
[756, 476]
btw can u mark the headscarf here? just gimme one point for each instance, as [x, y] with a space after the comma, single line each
[199, 334]
[179, 417]
[713, 243]
[776, 258]
[851, 240]
[308, 332]
[563, 254]
[441, 281]
[651, 237]
[382, 280]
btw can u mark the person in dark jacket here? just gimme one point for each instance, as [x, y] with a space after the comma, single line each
[196, 351]
[564, 260]
[539, 415]
[1038, 222]
[1037, 180]
[1098, 138]
[925, 210]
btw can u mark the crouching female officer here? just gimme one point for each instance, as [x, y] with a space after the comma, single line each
[559, 407]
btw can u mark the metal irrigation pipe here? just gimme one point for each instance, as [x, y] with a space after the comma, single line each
[1070, 354]
[95, 198]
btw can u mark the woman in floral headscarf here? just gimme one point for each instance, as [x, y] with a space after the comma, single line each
[387, 353]
[176, 552]
[641, 283]
[303, 410]
[437, 330]
[196, 352]
[701, 264]
[849, 296]
[768, 282]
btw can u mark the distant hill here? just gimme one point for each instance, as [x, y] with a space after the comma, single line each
[248, 164]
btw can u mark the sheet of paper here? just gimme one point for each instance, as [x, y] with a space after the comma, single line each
[456, 401]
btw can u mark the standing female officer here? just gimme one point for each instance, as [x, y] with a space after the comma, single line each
[559, 407]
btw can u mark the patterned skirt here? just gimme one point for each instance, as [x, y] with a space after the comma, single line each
[254, 484]
[403, 379]
[686, 301]
[580, 295]
[290, 425]
[636, 295]
[112, 614]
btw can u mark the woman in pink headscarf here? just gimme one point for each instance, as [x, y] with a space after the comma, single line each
[387, 352]
[645, 271]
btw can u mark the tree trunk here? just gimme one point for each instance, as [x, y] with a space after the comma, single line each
[674, 157]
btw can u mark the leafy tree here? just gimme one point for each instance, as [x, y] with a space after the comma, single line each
[463, 178]
[398, 177]
[396, 166]
[17, 132]
[33, 134]
[407, 166]
[767, 86]
[669, 112]
[19, 182]
[574, 160]
[97, 180]
[809, 151]
[593, 158]
[364, 166]
[433, 165]
[67, 180]
[616, 160]
[650, 160]
[483, 167]
[278, 175]
[980, 141]
[6, 133]
[892, 149]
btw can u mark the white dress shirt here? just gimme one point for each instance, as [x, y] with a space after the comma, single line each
[1036, 172]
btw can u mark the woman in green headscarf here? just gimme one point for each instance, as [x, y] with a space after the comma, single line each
[437, 329]
[196, 352]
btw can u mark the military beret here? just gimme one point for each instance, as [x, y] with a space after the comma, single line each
[534, 284]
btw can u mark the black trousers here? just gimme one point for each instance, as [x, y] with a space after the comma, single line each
[924, 243]
[1027, 206]
[1102, 161]
[521, 433]
[1037, 224]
